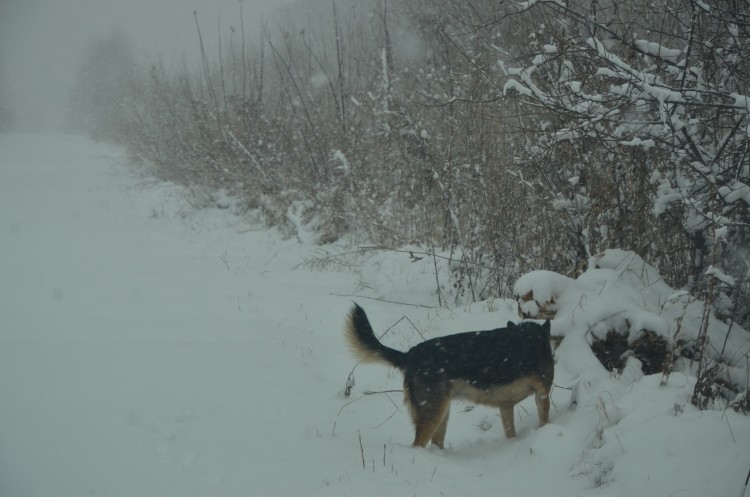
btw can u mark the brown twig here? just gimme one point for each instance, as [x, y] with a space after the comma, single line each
[361, 449]
[382, 300]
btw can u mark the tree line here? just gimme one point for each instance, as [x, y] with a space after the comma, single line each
[513, 135]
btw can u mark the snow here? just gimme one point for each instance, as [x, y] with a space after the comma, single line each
[742, 102]
[738, 191]
[546, 286]
[720, 275]
[637, 142]
[657, 50]
[148, 348]
[527, 5]
[665, 195]
[514, 85]
[339, 157]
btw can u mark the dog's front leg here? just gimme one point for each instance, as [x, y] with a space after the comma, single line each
[542, 406]
[506, 414]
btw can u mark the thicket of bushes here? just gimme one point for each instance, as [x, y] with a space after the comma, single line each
[521, 135]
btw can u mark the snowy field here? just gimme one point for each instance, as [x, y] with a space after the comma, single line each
[148, 348]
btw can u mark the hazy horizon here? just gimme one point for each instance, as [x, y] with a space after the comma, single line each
[42, 41]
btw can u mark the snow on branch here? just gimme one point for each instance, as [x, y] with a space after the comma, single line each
[657, 50]
[720, 275]
[738, 191]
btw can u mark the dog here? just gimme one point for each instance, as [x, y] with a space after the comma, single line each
[497, 368]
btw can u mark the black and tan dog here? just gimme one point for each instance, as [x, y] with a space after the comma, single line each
[495, 367]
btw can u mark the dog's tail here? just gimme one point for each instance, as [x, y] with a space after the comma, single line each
[365, 344]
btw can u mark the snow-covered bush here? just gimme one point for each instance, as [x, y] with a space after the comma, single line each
[623, 309]
[641, 116]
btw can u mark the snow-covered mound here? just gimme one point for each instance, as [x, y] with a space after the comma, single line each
[620, 294]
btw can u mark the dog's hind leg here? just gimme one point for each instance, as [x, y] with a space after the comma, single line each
[429, 402]
[429, 421]
[438, 438]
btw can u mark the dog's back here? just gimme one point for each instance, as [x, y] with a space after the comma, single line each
[497, 367]
[485, 358]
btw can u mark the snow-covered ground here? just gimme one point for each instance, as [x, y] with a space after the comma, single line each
[148, 348]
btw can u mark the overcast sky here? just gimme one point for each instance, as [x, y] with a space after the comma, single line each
[41, 42]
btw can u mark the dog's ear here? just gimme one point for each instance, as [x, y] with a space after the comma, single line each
[547, 326]
[511, 324]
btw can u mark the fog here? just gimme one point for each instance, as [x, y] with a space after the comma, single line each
[41, 43]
